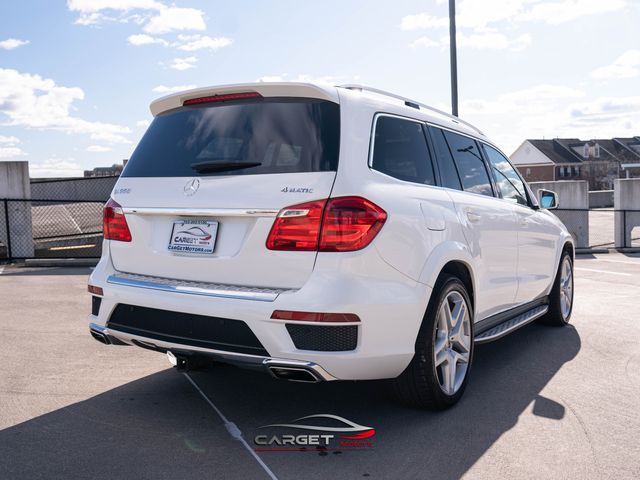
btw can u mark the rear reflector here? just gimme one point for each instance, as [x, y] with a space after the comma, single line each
[315, 317]
[341, 224]
[115, 224]
[222, 98]
[95, 290]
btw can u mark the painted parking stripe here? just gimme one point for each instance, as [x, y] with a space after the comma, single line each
[232, 428]
[604, 271]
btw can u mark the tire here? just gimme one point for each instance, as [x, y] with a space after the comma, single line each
[424, 383]
[559, 313]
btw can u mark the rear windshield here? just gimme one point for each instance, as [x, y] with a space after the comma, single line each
[281, 135]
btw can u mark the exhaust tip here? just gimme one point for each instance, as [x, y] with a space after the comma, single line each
[294, 374]
[101, 337]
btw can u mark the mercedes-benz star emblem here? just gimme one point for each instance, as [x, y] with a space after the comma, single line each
[191, 187]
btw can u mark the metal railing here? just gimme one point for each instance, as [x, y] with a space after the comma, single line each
[50, 228]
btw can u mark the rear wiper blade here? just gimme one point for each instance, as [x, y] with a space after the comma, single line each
[218, 166]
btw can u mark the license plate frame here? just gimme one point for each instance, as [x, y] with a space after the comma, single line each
[193, 236]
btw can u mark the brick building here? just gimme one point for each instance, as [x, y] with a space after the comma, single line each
[599, 162]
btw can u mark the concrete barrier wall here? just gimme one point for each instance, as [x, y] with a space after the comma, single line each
[601, 199]
[88, 189]
[627, 198]
[572, 195]
[14, 183]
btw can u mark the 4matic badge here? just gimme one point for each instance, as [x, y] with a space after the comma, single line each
[330, 432]
[297, 190]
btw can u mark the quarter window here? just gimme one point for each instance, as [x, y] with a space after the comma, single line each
[400, 151]
[448, 173]
[509, 182]
[471, 167]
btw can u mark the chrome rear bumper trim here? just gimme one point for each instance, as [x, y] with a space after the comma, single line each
[239, 359]
[196, 288]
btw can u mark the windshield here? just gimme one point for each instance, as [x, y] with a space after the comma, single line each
[274, 135]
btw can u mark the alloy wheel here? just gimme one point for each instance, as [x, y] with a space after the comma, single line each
[452, 348]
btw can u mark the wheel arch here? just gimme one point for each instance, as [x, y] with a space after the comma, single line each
[452, 258]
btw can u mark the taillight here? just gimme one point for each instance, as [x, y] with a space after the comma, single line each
[340, 224]
[297, 227]
[350, 223]
[115, 225]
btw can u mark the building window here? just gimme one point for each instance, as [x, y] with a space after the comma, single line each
[528, 172]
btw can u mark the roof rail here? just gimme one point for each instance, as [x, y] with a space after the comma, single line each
[364, 88]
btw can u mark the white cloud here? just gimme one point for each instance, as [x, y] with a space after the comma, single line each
[157, 17]
[480, 14]
[35, 102]
[549, 111]
[426, 42]
[144, 39]
[91, 6]
[10, 141]
[304, 78]
[11, 43]
[422, 21]
[479, 41]
[626, 65]
[143, 123]
[98, 149]
[183, 63]
[198, 42]
[555, 13]
[174, 18]
[55, 167]
[10, 152]
[176, 88]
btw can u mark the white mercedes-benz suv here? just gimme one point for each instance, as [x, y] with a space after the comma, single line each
[325, 233]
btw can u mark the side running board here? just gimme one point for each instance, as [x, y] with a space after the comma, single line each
[511, 324]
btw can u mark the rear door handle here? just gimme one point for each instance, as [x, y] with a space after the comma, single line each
[472, 216]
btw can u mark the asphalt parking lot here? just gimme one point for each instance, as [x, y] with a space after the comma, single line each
[542, 403]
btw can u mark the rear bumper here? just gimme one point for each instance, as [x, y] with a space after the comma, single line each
[109, 336]
[389, 304]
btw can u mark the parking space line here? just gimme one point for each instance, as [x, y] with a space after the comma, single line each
[232, 428]
[604, 271]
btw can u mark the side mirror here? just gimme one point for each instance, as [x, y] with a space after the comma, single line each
[548, 199]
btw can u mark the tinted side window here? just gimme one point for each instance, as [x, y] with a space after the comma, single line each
[509, 182]
[473, 173]
[448, 172]
[400, 150]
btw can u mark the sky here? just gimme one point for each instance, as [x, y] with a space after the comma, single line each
[77, 76]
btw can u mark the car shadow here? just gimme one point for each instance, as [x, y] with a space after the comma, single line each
[159, 426]
[507, 377]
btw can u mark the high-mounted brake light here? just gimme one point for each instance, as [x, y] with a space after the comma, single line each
[221, 98]
[115, 224]
[341, 224]
[315, 316]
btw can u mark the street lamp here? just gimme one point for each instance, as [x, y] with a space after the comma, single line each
[453, 57]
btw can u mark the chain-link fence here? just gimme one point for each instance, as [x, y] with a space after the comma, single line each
[50, 229]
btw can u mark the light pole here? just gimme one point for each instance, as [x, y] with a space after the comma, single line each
[453, 57]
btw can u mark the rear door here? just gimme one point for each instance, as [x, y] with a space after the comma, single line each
[223, 170]
[489, 223]
[537, 236]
